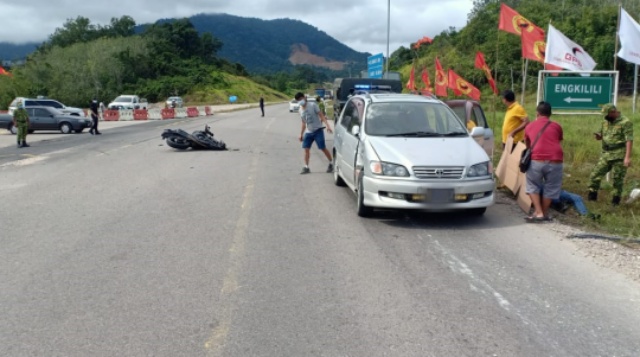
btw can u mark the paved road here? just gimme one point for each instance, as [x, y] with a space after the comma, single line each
[120, 246]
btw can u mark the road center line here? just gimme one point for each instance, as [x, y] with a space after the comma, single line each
[215, 344]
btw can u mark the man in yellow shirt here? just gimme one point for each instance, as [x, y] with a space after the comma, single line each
[515, 119]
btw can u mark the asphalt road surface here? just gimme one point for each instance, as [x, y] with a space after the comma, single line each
[117, 245]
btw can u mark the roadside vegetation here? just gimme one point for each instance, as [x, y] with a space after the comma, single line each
[81, 60]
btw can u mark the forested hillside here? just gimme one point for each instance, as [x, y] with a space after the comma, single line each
[591, 23]
[81, 60]
[264, 46]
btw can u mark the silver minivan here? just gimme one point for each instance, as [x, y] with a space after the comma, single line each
[403, 151]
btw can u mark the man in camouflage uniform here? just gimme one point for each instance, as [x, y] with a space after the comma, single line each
[617, 142]
[21, 122]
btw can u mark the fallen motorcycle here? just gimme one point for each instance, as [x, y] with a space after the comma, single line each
[198, 140]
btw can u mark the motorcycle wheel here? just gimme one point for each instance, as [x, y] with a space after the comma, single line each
[207, 142]
[178, 142]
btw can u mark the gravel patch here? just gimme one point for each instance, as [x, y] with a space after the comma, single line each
[618, 256]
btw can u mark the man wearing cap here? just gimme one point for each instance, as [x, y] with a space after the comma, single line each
[21, 122]
[616, 134]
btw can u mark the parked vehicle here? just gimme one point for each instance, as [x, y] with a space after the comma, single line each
[46, 118]
[198, 140]
[174, 102]
[343, 86]
[403, 151]
[293, 106]
[45, 102]
[472, 114]
[129, 102]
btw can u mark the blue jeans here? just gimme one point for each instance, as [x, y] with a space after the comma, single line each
[573, 199]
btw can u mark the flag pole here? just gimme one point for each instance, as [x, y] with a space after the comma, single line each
[635, 87]
[615, 51]
[524, 79]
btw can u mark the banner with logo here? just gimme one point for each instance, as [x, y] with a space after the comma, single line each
[481, 64]
[533, 45]
[461, 87]
[427, 83]
[441, 80]
[411, 84]
[629, 38]
[564, 53]
[511, 21]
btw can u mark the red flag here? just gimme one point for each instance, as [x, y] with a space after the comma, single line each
[4, 72]
[422, 41]
[533, 45]
[481, 64]
[551, 67]
[411, 84]
[459, 85]
[441, 80]
[511, 21]
[427, 83]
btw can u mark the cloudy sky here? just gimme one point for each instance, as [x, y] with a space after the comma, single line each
[360, 24]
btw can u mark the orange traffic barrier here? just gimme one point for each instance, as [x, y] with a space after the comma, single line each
[168, 113]
[192, 112]
[111, 115]
[140, 114]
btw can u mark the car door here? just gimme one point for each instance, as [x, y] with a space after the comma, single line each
[481, 120]
[350, 141]
[47, 119]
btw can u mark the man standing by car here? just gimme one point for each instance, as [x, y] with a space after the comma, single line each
[313, 124]
[94, 117]
[515, 119]
[616, 134]
[21, 122]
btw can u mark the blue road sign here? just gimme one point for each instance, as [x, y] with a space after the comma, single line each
[375, 66]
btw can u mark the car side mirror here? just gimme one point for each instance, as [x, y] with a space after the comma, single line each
[355, 130]
[477, 131]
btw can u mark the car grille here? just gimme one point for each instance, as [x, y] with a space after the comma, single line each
[434, 172]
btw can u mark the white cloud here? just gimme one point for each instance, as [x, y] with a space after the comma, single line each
[361, 25]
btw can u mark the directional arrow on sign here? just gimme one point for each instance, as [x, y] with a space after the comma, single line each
[578, 100]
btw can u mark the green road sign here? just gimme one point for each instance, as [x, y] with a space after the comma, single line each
[582, 93]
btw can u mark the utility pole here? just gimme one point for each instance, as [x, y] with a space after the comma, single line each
[388, 36]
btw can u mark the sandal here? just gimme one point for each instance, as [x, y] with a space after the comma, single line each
[534, 219]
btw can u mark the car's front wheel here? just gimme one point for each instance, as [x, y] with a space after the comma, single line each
[66, 128]
[363, 210]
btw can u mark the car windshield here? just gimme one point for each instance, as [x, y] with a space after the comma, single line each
[124, 100]
[412, 119]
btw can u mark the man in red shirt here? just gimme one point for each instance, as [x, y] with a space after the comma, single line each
[544, 176]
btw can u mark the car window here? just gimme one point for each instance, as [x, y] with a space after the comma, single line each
[39, 112]
[30, 103]
[30, 112]
[480, 119]
[124, 99]
[50, 103]
[460, 112]
[351, 116]
[411, 118]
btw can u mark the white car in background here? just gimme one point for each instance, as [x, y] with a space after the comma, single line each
[293, 106]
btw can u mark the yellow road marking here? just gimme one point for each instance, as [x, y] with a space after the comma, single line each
[215, 343]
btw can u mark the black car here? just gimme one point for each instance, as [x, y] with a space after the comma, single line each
[46, 118]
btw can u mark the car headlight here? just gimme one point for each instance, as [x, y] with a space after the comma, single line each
[479, 170]
[388, 169]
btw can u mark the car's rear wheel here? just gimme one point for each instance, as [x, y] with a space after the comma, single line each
[30, 131]
[337, 180]
[66, 128]
[12, 129]
[363, 210]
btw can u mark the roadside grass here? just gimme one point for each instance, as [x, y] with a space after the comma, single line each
[244, 89]
[581, 152]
